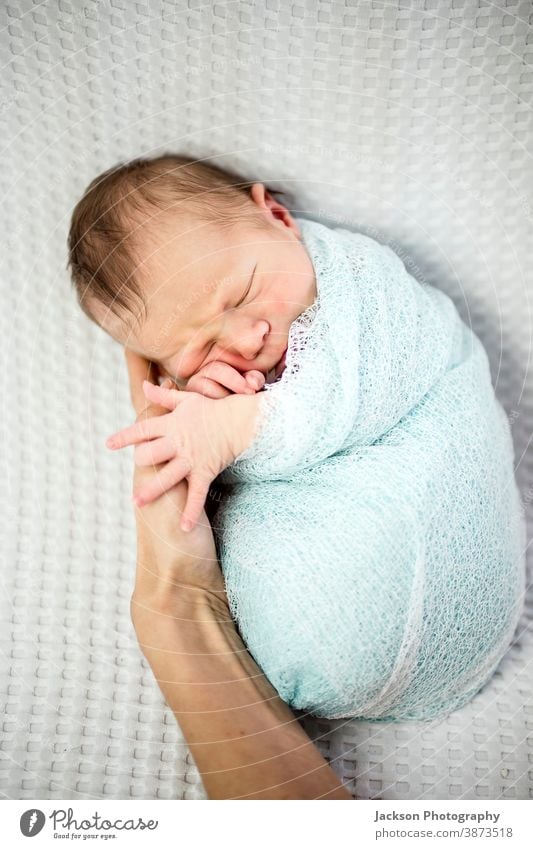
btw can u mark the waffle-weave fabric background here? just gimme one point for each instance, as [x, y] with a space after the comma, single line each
[409, 121]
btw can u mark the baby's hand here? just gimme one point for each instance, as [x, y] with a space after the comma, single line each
[196, 441]
[218, 379]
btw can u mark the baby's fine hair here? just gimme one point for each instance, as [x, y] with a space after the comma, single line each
[122, 206]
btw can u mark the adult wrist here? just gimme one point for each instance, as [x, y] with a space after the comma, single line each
[176, 608]
[171, 561]
[180, 579]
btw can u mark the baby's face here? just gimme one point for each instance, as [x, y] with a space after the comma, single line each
[220, 296]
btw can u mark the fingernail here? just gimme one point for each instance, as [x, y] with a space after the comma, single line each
[137, 501]
[110, 442]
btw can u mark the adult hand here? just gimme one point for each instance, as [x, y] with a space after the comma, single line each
[167, 556]
[246, 742]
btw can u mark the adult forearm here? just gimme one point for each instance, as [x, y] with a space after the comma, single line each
[245, 740]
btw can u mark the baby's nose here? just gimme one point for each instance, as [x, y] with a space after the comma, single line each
[251, 342]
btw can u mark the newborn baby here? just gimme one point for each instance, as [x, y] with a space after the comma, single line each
[369, 530]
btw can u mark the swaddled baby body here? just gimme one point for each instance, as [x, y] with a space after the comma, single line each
[372, 539]
[370, 533]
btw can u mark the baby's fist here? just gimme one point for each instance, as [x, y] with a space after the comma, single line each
[218, 379]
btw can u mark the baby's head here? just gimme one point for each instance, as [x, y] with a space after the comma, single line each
[185, 263]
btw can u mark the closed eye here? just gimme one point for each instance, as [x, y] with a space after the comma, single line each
[247, 290]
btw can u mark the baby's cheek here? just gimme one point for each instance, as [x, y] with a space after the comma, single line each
[278, 308]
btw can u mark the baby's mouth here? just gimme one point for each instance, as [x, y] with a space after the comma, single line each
[277, 370]
[281, 365]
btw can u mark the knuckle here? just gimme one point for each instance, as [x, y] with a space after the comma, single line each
[141, 459]
[176, 441]
[204, 387]
[213, 365]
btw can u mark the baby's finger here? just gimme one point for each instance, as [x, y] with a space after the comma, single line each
[255, 378]
[205, 386]
[196, 494]
[169, 475]
[139, 432]
[226, 375]
[154, 452]
[168, 398]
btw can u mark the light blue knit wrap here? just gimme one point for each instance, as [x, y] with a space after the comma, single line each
[372, 537]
